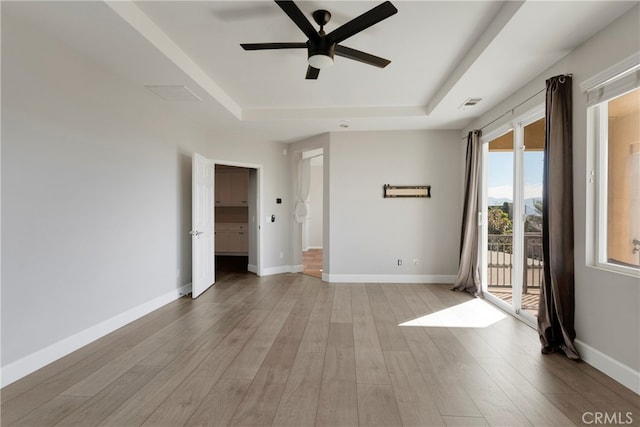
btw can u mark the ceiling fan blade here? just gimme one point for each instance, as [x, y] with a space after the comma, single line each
[262, 46]
[367, 19]
[298, 18]
[356, 55]
[312, 73]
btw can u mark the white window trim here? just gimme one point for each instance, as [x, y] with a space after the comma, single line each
[619, 72]
[611, 83]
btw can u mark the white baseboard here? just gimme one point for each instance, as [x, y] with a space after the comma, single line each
[281, 269]
[387, 278]
[252, 268]
[311, 247]
[269, 271]
[34, 361]
[616, 370]
[182, 291]
[296, 268]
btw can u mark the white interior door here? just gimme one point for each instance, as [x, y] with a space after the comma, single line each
[202, 225]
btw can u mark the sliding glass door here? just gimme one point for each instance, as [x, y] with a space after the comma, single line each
[511, 215]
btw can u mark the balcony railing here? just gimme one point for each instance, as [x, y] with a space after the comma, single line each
[500, 261]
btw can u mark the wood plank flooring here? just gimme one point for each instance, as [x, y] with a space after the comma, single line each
[290, 350]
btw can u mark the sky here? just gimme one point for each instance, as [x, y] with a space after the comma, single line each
[500, 175]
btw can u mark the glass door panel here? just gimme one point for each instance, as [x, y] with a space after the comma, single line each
[511, 247]
[499, 215]
[532, 173]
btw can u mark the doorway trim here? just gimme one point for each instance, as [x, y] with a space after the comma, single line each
[296, 151]
[311, 154]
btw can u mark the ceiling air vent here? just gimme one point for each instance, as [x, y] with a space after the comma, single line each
[470, 102]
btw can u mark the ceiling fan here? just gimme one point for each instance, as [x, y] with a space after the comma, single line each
[320, 46]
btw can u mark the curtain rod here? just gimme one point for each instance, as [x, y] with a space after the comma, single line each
[511, 111]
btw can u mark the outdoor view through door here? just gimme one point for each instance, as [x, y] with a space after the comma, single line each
[512, 232]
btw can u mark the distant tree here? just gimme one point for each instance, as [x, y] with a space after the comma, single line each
[498, 221]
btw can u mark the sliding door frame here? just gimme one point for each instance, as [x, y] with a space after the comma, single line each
[517, 125]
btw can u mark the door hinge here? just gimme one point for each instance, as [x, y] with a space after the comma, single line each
[196, 233]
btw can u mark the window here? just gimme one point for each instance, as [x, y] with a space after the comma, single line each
[614, 125]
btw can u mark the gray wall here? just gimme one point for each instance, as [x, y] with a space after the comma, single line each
[364, 234]
[370, 233]
[96, 192]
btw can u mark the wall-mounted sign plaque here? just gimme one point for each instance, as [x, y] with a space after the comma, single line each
[406, 191]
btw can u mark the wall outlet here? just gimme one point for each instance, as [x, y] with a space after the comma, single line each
[281, 255]
[399, 262]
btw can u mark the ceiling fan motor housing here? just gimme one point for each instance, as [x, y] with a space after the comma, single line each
[320, 47]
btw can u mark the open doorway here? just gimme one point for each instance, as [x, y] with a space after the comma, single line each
[312, 227]
[235, 199]
[235, 214]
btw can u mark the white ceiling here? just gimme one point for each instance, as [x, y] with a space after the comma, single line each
[442, 53]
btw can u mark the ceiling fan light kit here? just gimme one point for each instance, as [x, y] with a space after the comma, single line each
[321, 61]
[322, 47]
[321, 51]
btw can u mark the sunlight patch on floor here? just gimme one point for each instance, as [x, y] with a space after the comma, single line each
[474, 313]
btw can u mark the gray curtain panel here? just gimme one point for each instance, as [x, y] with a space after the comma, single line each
[557, 306]
[468, 278]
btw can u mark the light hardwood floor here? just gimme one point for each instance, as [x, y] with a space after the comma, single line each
[292, 350]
